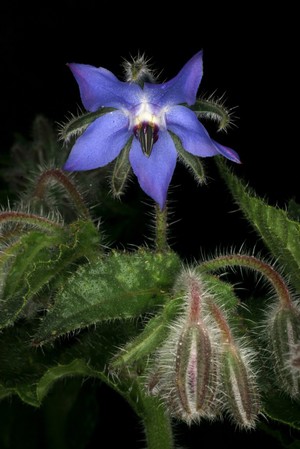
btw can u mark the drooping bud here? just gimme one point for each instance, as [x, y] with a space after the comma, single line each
[187, 365]
[193, 371]
[241, 394]
[284, 336]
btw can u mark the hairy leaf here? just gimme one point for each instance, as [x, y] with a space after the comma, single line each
[280, 234]
[37, 259]
[117, 286]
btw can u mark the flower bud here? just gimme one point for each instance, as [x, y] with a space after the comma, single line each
[187, 365]
[193, 376]
[138, 70]
[285, 341]
[241, 395]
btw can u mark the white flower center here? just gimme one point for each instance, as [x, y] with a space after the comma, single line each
[146, 120]
[148, 113]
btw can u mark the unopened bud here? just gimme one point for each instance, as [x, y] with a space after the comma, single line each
[138, 70]
[242, 402]
[187, 365]
[285, 342]
[195, 363]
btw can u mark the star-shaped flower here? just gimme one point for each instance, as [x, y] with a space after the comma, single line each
[146, 115]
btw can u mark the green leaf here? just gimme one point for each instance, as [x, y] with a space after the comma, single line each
[37, 259]
[281, 408]
[280, 234]
[78, 367]
[30, 372]
[117, 286]
[18, 264]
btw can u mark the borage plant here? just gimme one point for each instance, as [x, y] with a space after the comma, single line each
[174, 339]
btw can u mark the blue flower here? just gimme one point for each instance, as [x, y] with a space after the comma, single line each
[148, 115]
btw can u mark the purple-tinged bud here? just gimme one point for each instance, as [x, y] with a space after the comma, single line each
[284, 338]
[187, 366]
[193, 372]
[241, 394]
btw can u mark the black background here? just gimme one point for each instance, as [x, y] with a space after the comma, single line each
[249, 53]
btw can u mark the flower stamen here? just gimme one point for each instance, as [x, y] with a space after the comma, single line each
[147, 134]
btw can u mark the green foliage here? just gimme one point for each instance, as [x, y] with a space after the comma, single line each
[30, 373]
[37, 260]
[149, 339]
[103, 313]
[115, 286]
[279, 232]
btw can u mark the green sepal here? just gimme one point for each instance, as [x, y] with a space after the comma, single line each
[278, 231]
[213, 110]
[78, 124]
[116, 286]
[193, 163]
[121, 171]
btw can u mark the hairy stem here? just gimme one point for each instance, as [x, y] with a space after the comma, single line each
[156, 421]
[265, 269]
[24, 218]
[59, 177]
[161, 229]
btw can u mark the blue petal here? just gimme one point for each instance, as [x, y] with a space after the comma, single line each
[227, 152]
[154, 173]
[194, 138]
[100, 87]
[100, 143]
[181, 89]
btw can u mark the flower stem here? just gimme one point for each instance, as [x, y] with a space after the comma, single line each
[59, 177]
[34, 220]
[265, 269]
[157, 425]
[161, 228]
[156, 421]
[221, 322]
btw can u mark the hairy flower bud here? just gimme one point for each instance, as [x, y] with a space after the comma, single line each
[195, 366]
[187, 365]
[138, 70]
[240, 390]
[284, 338]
